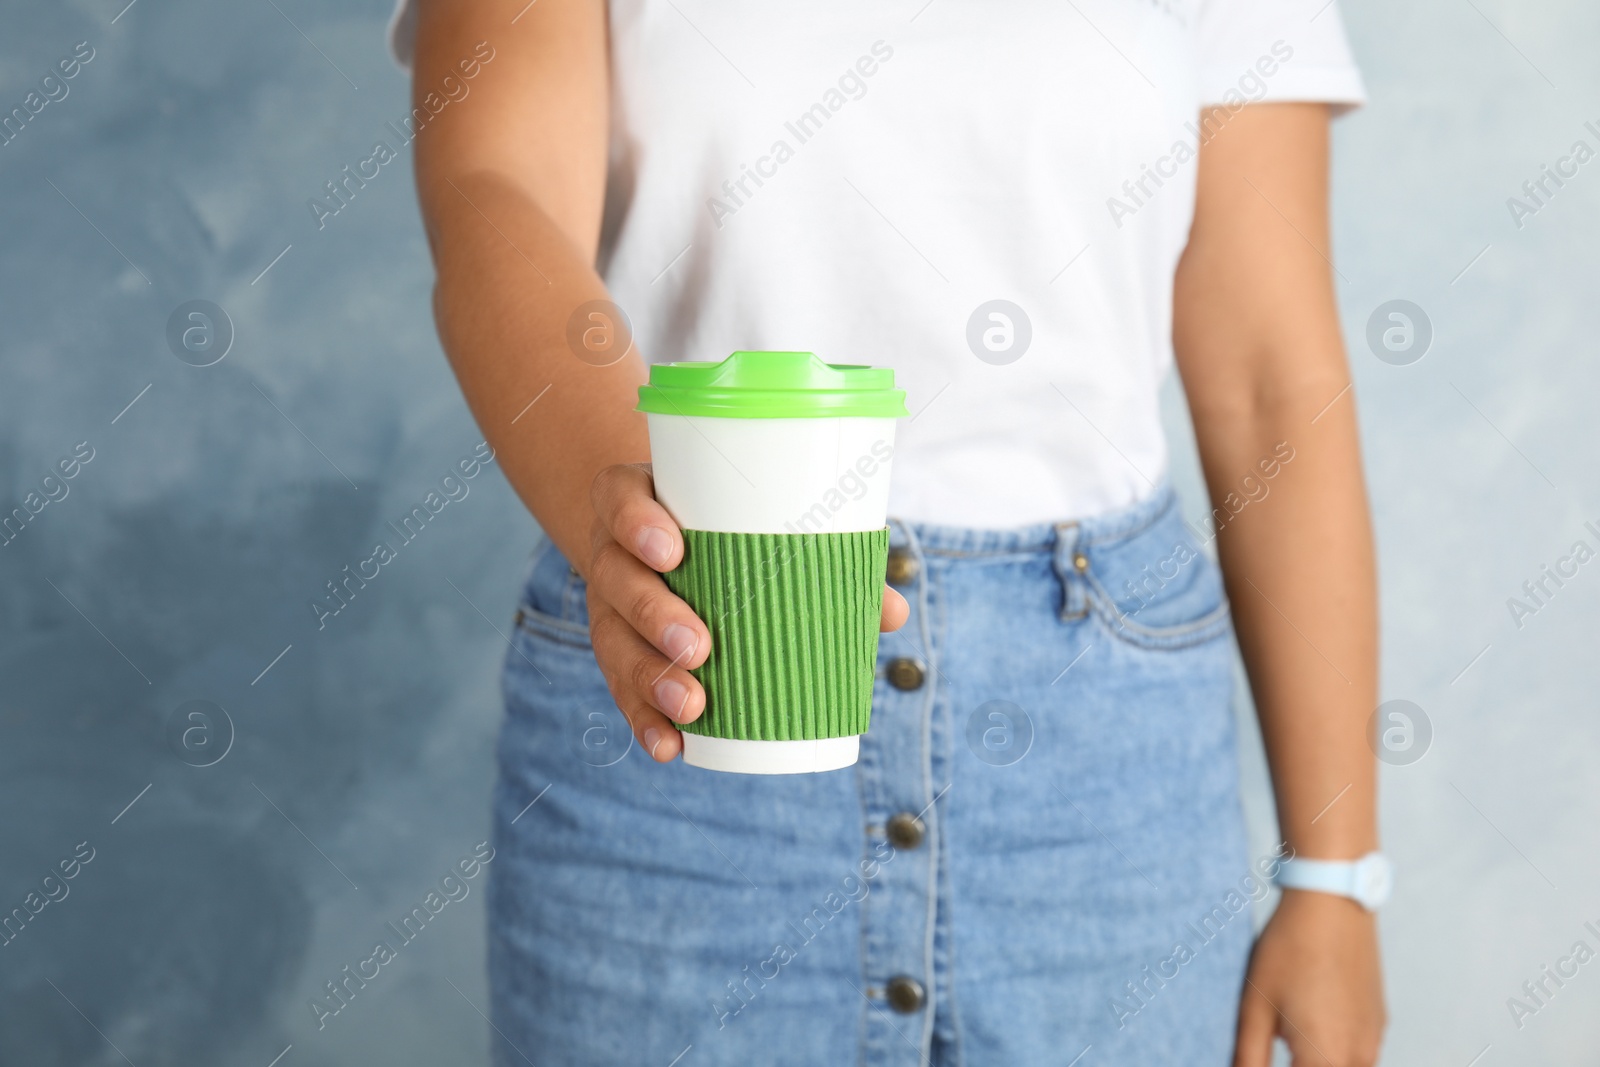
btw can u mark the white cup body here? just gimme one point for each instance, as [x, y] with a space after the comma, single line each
[773, 475]
[781, 476]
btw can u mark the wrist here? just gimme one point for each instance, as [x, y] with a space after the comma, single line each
[1334, 842]
[1324, 907]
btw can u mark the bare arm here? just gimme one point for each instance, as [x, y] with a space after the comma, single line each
[1258, 345]
[512, 183]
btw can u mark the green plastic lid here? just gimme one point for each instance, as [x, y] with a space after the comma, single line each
[772, 385]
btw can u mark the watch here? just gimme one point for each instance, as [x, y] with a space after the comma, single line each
[1367, 881]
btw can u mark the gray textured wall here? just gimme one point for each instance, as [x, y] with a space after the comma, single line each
[178, 564]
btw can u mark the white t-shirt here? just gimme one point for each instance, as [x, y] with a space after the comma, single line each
[860, 180]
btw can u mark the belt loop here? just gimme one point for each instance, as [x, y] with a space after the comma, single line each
[1070, 566]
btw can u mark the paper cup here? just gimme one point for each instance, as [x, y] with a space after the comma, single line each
[776, 467]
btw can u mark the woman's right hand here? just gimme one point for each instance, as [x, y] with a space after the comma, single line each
[646, 640]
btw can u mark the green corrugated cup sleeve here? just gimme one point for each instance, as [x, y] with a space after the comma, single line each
[794, 630]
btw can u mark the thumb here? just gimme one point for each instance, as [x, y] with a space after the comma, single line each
[1258, 1024]
[895, 610]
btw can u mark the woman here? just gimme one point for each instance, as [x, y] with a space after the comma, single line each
[1133, 179]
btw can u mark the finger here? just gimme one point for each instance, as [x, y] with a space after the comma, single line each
[635, 671]
[620, 582]
[653, 730]
[659, 739]
[1302, 1053]
[624, 501]
[1258, 1024]
[895, 611]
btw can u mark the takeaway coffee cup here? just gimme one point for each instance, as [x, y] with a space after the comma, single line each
[776, 467]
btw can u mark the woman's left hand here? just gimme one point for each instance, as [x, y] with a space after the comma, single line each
[1315, 981]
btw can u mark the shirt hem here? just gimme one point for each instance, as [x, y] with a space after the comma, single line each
[1340, 87]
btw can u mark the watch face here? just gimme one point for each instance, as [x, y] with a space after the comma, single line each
[1374, 880]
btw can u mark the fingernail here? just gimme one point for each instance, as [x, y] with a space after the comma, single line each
[672, 697]
[652, 741]
[655, 546]
[679, 642]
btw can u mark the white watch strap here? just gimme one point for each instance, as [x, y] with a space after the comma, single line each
[1324, 876]
[1367, 880]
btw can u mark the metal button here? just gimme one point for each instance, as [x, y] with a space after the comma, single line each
[1081, 562]
[902, 569]
[904, 674]
[905, 830]
[905, 994]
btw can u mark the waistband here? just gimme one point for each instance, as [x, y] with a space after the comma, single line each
[1045, 537]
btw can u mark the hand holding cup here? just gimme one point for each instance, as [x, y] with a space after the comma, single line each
[646, 639]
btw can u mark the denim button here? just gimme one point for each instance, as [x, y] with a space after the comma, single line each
[904, 674]
[906, 831]
[902, 569]
[905, 994]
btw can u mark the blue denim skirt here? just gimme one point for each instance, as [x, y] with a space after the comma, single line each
[1040, 857]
